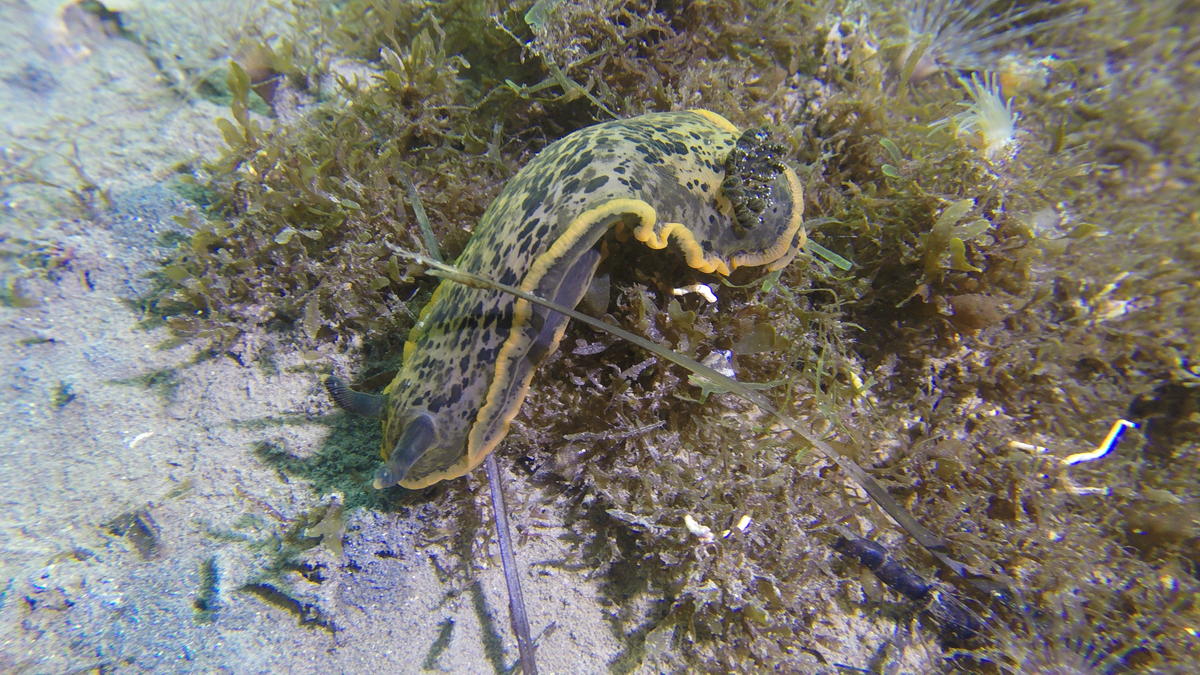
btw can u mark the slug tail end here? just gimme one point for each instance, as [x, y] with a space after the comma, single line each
[357, 402]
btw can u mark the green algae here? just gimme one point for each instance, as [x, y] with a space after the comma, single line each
[207, 599]
[163, 382]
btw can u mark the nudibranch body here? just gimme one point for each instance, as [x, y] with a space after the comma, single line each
[724, 197]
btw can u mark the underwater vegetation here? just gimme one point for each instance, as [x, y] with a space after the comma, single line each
[1015, 185]
[966, 35]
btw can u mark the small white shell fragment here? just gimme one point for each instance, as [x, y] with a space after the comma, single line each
[701, 532]
[1106, 446]
[137, 440]
[721, 360]
[741, 526]
[703, 290]
[1020, 445]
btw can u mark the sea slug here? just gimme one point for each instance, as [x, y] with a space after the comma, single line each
[723, 196]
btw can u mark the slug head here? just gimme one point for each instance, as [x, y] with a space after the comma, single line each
[417, 436]
[421, 447]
